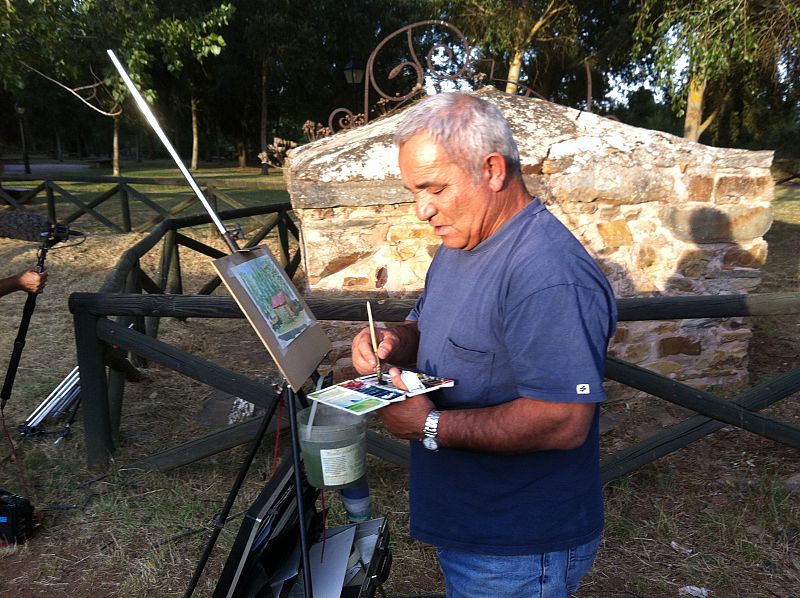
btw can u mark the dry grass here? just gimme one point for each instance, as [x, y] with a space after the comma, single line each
[723, 500]
[715, 514]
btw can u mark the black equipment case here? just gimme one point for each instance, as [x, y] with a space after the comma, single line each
[266, 549]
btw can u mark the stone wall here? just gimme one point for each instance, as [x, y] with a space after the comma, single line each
[662, 216]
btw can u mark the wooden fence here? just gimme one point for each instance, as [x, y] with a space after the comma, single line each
[123, 188]
[102, 397]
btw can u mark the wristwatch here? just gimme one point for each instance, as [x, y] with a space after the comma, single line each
[430, 429]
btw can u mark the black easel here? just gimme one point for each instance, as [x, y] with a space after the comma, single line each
[27, 313]
[298, 487]
[288, 395]
[221, 518]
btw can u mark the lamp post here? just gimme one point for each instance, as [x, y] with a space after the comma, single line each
[355, 72]
[20, 110]
[354, 75]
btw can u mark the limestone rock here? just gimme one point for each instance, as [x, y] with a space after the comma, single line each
[718, 225]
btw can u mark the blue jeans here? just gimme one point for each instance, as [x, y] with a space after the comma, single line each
[547, 575]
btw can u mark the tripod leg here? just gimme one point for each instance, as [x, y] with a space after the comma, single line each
[298, 486]
[19, 343]
[219, 520]
[16, 353]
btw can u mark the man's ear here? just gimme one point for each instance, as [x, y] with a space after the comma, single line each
[495, 169]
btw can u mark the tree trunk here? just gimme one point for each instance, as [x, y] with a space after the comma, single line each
[115, 156]
[195, 134]
[513, 72]
[263, 138]
[59, 149]
[588, 70]
[242, 154]
[694, 109]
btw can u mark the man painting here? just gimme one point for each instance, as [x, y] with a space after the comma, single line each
[504, 472]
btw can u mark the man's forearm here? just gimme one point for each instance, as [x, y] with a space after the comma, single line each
[519, 426]
[9, 285]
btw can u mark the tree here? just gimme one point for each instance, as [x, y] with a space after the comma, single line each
[509, 28]
[284, 63]
[54, 39]
[64, 41]
[34, 32]
[699, 46]
[191, 38]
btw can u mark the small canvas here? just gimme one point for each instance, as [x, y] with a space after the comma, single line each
[276, 311]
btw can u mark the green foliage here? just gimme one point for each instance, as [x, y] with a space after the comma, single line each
[711, 40]
[503, 28]
[66, 41]
[34, 32]
[298, 48]
[247, 61]
[194, 35]
[507, 25]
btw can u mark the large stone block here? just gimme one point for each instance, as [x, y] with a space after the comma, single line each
[615, 233]
[741, 257]
[744, 186]
[728, 224]
[699, 188]
[323, 194]
[678, 345]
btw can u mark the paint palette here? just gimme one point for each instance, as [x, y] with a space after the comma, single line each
[363, 395]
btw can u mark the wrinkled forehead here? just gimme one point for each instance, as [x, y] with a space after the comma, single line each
[423, 148]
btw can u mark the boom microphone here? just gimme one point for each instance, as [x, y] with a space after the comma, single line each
[27, 226]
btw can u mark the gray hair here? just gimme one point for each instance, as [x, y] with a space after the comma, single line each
[466, 127]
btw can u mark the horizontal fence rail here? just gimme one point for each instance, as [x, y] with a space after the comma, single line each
[395, 310]
[713, 412]
[123, 188]
[102, 394]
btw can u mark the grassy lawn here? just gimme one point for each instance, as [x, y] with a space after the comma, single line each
[244, 186]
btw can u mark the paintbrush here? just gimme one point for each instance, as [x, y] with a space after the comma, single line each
[378, 373]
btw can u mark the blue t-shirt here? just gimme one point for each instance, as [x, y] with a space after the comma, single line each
[527, 313]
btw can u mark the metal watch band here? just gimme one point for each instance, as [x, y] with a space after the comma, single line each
[431, 424]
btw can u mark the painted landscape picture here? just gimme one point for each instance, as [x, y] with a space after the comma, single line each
[275, 299]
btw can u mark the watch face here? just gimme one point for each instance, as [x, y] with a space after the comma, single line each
[430, 444]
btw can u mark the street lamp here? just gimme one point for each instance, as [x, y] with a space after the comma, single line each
[354, 71]
[20, 110]
[354, 75]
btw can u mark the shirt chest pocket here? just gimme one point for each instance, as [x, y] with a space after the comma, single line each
[472, 370]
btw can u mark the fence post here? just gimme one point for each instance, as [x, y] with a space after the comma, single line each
[211, 197]
[116, 379]
[126, 208]
[174, 279]
[94, 390]
[283, 235]
[170, 267]
[51, 203]
[167, 245]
